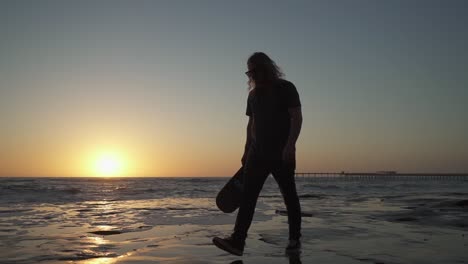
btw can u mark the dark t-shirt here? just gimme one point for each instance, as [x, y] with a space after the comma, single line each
[269, 108]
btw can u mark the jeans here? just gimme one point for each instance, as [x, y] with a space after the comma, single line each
[255, 173]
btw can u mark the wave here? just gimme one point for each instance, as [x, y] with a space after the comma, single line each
[435, 212]
[322, 187]
[285, 213]
[58, 190]
[38, 188]
[451, 203]
[8, 211]
[317, 196]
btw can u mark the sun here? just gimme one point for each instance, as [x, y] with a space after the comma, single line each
[108, 165]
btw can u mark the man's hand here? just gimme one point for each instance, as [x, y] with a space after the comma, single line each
[289, 153]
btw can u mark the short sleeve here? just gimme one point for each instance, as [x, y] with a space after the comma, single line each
[249, 110]
[292, 96]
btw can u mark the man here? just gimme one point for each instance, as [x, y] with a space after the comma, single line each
[275, 121]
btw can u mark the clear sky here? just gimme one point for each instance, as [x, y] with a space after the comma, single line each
[158, 87]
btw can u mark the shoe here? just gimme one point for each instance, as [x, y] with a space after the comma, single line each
[294, 246]
[231, 245]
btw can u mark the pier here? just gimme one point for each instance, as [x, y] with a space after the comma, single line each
[358, 176]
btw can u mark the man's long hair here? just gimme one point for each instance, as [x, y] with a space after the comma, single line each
[263, 71]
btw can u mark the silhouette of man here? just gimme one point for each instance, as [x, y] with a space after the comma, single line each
[275, 121]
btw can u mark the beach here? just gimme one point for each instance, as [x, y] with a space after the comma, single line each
[172, 220]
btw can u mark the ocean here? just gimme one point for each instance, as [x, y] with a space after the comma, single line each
[172, 220]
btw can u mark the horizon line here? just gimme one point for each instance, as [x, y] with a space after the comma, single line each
[381, 173]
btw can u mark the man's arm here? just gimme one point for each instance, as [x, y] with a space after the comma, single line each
[296, 125]
[250, 127]
[294, 131]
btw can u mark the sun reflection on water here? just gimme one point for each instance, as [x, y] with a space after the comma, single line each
[100, 261]
[98, 240]
[105, 260]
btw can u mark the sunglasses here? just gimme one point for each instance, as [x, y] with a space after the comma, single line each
[249, 73]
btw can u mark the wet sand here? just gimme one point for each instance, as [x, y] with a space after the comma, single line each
[332, 233]
[358, 227]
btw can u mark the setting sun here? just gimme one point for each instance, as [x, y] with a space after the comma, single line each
[108, 165]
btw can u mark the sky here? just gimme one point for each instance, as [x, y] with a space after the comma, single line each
[157, 88]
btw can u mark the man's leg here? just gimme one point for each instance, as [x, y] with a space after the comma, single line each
[255, 175]
[284, 176]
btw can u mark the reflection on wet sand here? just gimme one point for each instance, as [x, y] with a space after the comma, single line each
[100, 261]
[174, 223]
[106, 260]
